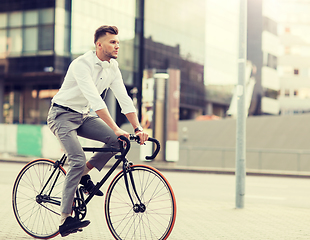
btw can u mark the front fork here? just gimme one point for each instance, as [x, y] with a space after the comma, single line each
[137, 207]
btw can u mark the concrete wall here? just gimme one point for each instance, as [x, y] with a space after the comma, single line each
[272, 142]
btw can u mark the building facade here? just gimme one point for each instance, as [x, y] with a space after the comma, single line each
[34, 54]
[294, 57]
[222, 53]
[262, 51]
[39, 39]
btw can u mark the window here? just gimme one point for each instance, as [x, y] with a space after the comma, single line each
[270, 60]
[46, 16]
[296, 71]
[30, 40]
[3, 43]
[15, 41]
[46, 38]
[287, 93]
[3, 20]
[15, 19]
[31, 18]
[27, 32]
[270, 93]
[295, 92]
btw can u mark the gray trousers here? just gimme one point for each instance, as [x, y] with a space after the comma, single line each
[66, 126]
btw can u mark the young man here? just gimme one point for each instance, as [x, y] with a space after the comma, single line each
[87, 77]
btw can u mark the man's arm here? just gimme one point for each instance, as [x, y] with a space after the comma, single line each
[133, 119]
[120, 92]
[106, 117]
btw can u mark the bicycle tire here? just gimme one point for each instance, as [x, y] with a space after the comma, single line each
[155, 192]
[39, 220]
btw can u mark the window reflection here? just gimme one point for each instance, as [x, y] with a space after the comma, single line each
[46, 37]
[15, 19]
[31, 18]
[3, 20]
[15, 41]
[30, 39]
[46, 16]
[31, 31]
[186, 28]
[3, 42]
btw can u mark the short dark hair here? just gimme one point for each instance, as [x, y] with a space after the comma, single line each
[101, 31]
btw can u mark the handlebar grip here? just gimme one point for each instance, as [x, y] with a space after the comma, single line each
[156, 150]
[124, 153]
[124, 139]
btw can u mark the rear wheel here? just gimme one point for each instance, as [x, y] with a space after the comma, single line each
[38, 213]
[153, 218]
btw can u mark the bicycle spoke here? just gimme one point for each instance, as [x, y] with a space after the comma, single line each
[149, 227]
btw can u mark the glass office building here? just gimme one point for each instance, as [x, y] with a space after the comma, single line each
[174, 33]
[39, 39]
[34, 54]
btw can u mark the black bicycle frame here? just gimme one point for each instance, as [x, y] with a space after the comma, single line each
[104, 179]
[120, 158]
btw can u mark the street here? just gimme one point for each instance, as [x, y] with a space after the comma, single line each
[275, 207]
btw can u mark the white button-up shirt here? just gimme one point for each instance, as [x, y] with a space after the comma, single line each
[86, 79]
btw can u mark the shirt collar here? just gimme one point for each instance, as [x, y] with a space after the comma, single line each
[103, 64]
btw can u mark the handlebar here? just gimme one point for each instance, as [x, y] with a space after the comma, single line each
[137, 139]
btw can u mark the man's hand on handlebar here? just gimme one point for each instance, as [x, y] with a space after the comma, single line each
[143, 137]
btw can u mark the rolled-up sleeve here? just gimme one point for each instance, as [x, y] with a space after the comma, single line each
[82, 74]
[120, 92]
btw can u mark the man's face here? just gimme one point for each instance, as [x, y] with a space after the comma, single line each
[108, 46]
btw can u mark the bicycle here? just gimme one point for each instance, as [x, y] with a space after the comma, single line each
[139, 202]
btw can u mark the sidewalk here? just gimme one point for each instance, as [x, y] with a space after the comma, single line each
[275, 208]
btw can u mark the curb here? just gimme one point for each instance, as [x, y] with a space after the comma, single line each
[161, 167]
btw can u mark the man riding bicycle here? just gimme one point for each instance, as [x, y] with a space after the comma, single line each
[88, 76]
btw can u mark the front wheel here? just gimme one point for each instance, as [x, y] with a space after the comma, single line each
[153, 218]
[36, 198]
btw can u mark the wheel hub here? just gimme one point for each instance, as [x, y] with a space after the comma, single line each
[42, 198]
[139, 208]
